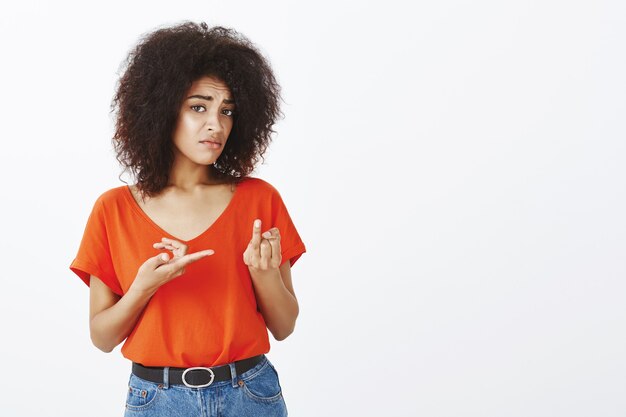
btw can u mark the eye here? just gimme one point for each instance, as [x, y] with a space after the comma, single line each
[232, 112]
[197, 105]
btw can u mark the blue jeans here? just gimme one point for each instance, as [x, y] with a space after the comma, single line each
[256, 392]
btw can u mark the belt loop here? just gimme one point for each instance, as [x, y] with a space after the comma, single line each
[166, 377]
[233, 374]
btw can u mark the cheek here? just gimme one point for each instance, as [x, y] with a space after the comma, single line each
[187, 126]
[228, 126]
[183, 130]
[188, 121]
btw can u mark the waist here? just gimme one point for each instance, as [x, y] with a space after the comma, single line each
[197, 376]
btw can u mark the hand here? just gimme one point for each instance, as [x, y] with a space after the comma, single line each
[159, 269]
[263, 251]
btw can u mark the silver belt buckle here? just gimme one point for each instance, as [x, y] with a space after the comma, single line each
[198, 386]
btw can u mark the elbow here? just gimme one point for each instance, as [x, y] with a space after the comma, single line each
[101, 345]
[281, 335]
[105, 349]
[283, 332]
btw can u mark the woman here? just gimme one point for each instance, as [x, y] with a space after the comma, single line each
[192, 264]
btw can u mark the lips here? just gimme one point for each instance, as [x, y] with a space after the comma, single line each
[211, 144]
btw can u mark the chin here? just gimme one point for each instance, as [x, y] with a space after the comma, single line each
[206, 161]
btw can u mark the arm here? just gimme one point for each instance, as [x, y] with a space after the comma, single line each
[271, 281]
[111, 317]
[276, 300]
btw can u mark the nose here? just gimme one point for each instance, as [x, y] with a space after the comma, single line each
[213, 120]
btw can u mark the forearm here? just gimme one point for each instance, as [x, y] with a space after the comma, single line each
[111, 326]
[277, 305]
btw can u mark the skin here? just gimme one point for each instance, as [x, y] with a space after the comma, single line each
[111, 317]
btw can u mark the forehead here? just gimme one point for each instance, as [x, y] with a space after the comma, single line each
[209, 83]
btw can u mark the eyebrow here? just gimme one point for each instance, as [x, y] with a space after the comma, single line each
[210, 98]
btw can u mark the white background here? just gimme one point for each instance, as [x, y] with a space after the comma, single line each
[456, 170]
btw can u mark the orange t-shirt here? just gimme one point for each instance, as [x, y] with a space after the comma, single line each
[208, 316]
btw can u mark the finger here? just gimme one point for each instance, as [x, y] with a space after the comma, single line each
[273, 237]
[160, 245]
[175, 243]
[190, 258]
[256, 235]
[276, 255]
[247, 255]
[273, 233]
[199, 255]
[266, 254]
[158, 260]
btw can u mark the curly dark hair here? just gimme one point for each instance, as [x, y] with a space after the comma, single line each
[160, 69]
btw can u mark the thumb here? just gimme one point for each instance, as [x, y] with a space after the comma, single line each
[160, 259]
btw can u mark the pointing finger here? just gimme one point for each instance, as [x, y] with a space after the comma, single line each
[190, 258]
[200, 254]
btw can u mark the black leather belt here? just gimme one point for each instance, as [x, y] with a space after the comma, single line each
[196, 377]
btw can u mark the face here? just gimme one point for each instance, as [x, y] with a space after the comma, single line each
[204, 121]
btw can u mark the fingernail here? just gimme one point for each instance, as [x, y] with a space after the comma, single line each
[257, 223]
[164, 257]
[267, 234]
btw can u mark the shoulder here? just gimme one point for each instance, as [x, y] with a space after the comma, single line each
[112, 196]
[259, 186]
[260, 192]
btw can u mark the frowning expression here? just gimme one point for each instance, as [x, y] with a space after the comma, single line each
[205, 120]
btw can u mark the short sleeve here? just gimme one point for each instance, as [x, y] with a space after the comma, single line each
[94, 254]
[291, 244]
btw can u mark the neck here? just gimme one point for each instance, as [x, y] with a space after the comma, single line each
[191, 176]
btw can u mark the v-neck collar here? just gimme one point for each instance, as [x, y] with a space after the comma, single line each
[139, 210]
